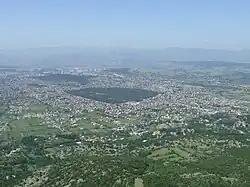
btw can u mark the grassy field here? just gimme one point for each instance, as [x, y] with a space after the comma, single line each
[170, 154]
[39, 108]
[31, 126]
[138, 182]
[23, 126]
[182, 150]
[89, 121]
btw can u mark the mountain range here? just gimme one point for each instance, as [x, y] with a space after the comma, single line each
[130, 57]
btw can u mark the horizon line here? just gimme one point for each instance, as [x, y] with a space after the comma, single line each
[117, 47]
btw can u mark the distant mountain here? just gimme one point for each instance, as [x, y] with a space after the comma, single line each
[66, 56]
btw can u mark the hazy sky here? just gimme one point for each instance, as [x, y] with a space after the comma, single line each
[130, 23]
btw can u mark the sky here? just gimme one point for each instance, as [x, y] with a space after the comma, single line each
[222, 24]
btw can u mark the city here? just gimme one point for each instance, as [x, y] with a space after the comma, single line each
[149, 116]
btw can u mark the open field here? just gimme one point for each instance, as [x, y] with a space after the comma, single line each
[81, 79]
[114, 95]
